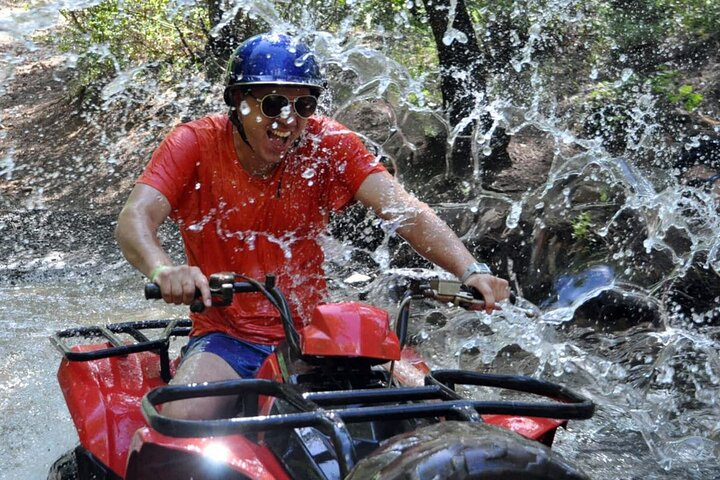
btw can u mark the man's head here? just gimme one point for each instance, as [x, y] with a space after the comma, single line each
[272, 84]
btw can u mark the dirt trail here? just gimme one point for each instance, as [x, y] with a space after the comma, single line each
[59, 193]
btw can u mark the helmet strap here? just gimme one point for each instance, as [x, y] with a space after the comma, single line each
[239, 126]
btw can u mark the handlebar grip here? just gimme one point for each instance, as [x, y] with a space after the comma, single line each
[152, 291]
[477, 296]
[197, 306]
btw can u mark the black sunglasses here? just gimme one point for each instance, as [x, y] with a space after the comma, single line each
[273, 104]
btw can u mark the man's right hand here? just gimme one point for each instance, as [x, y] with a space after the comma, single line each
[178, 284]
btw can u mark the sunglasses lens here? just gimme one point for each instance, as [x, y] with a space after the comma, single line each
[272, 105]
[305, 106]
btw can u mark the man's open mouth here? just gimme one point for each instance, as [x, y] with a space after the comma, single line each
[278, 134]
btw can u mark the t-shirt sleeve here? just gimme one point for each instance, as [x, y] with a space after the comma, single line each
[172, 168]
[351, 164]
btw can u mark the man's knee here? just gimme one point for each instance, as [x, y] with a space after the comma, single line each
[201, 368]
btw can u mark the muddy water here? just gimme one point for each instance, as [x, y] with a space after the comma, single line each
[653, 427]
[36, 427]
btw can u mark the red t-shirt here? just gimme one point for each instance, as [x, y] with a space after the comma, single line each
[232, 221]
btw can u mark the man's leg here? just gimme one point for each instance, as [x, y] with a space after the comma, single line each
[198, 368]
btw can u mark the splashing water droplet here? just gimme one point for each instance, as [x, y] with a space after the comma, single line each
[453, 34]
[513, 217]
[308, 173]
[244, 108]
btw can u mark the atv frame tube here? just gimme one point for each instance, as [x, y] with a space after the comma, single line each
[378, 404]
[161, 345]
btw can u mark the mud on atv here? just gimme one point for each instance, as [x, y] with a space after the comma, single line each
[343, 397]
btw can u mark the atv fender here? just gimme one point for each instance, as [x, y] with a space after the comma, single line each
[234, 457]
[103, 397]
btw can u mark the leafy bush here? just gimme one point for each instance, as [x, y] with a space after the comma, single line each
[667, 83]
[112, 36]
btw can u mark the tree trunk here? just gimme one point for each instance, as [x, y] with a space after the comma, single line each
[223, 44]
[462, 73]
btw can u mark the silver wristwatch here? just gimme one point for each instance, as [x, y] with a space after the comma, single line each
[474, 268]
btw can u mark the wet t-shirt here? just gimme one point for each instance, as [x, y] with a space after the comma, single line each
[232, 221]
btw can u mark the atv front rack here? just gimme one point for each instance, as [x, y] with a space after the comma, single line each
[119, 347]
[329, 411]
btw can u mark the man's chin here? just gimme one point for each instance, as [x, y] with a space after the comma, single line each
[272, 161]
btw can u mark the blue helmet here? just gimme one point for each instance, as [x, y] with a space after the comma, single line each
[272, 59]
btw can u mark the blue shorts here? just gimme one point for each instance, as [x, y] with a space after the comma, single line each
[244, 357]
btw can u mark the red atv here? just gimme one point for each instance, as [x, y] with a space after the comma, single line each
[341, 398]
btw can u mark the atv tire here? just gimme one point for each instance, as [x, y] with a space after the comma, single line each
[462, 451]
[65, 467]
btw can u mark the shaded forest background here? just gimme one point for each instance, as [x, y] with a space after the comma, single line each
[421, 81]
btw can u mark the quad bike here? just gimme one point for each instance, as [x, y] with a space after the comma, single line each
[343, 397]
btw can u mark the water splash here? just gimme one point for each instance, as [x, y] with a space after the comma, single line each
[657, 382]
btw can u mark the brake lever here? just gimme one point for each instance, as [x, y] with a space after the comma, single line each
[458, 294]
[449, 291]
[221, 291]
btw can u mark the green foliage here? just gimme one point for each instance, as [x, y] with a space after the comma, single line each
[667, 83]
[114, 35]
[603, 91]
[581, 226]
[687, 97]
[699, 17]
[664, 80]
[629, 25]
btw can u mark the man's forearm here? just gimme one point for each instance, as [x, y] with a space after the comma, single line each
[435, 241]
[139, 242]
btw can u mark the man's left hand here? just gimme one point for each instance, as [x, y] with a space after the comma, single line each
[492, 289]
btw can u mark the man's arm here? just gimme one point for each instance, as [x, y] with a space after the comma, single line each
[426, 233]
[136, 233]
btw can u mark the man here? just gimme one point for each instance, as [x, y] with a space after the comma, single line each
[251, 192]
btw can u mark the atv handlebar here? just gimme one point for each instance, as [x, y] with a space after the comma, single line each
[445, 291]
[224, 285]
[222, 288]
[451, 291]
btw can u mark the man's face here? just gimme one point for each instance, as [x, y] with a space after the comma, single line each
[270, 138]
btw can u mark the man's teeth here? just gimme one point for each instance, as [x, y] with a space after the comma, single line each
[278, 133]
